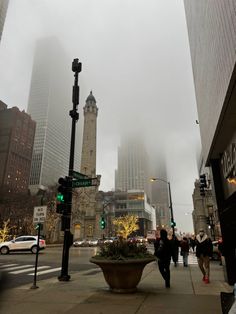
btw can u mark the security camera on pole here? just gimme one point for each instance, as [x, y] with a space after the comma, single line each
[66, 212]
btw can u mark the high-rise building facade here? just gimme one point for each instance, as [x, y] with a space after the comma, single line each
[49, 105]
[131, 173]
[212, 38]
[3, 13]
[159, 195]
[17, 131]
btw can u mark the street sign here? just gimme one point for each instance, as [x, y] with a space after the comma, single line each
[78, 175]
[39, 214]
[84, 182]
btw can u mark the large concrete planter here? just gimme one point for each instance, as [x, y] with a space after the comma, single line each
[122, 276]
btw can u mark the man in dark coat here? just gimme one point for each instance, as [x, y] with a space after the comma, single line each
[163, 252]
[175, 249]
[204, 249]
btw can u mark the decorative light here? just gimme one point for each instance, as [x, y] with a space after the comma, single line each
[232, 180]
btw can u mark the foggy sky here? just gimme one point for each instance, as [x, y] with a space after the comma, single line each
[136, 60]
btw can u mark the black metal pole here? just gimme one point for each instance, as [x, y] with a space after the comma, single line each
[36, 260]
[76, 67]
[171, 211]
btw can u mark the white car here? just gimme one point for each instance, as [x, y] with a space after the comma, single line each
[81, 243]
[23, 243]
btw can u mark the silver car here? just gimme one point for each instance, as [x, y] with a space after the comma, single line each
[23, 243]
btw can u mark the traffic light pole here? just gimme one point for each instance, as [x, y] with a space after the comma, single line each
[76, 68]
[171, 211]
[172, 221]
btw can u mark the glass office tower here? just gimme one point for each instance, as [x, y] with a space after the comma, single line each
[49, 105]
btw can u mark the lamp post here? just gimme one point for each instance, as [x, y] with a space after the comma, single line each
[170, 201]
[76, 68]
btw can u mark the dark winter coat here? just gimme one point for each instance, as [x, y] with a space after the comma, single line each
[203, 246]
[184, 246]
[163, 249]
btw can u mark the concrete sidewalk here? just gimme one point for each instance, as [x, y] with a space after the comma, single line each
[87, 293]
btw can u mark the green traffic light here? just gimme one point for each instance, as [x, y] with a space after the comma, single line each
[102, 223]
[60, 197]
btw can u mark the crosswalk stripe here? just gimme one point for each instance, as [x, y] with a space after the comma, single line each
[26, 270]
[16, 267]
[46, 271]
[8, 265]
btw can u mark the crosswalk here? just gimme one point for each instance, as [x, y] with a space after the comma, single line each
[16, 269]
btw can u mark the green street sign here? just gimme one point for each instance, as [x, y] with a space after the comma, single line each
[78, 175]
[84, 182]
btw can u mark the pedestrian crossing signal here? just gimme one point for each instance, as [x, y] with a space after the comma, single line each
[37, 226]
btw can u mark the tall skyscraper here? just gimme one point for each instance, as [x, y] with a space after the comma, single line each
[3, 13]
[17, 131]
[49, 105]
[212, 39]
[132, 171]
[159, 195]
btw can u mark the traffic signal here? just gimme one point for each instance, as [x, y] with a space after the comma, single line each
[102, 223]
[203, 184]
[208, 220]
[62, 196]
[173, 224]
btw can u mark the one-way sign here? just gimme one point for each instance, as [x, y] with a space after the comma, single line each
[84, 182]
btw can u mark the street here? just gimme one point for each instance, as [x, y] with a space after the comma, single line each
[19, 267]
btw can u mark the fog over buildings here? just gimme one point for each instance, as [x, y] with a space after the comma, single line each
[136, 60]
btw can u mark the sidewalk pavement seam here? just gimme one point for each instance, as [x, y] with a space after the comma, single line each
[194, 292]
[142, 303]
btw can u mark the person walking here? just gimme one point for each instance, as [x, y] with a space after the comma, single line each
[192, 242]
[163, 252]
[184, 251]
[204, 249]
[175, 249]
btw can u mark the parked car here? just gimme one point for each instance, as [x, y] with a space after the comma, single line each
[216, 252]
[138, 239]
[22, 243]
[93, 242]
[81, 243]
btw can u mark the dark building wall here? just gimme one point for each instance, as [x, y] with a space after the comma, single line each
[212, 38]
[17, 131]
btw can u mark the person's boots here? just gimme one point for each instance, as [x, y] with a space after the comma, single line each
[206, 279]
[167, 284]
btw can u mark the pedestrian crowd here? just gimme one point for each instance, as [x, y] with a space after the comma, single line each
[166, 249]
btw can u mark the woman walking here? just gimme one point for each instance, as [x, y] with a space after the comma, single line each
[184, 251]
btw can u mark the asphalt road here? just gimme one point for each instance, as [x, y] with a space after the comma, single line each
[18, 268]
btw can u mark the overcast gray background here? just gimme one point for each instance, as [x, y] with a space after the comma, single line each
[136, 59]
